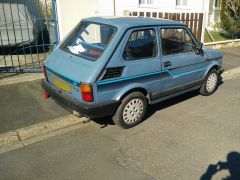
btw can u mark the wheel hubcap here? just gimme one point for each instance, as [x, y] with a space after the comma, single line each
[211, 82]
[133, 111]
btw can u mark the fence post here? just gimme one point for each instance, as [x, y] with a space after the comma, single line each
[204, 26]
[55, 20]
[200, 25]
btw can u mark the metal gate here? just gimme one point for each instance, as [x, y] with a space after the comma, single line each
[28, 33]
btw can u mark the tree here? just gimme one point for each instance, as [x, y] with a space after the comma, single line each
[230, 17]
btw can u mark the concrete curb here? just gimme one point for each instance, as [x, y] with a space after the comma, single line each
[223, 44]
[232, 73]
[9, 138]
[21, 78]
[19, 136]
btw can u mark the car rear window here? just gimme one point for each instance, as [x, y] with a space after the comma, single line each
[88, 40]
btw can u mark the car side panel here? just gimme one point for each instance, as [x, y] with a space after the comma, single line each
[183, 68]
[149, 75]
[143, 73]
[186, 68]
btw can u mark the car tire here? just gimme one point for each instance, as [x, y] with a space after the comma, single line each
[131, 111]
[210, 83]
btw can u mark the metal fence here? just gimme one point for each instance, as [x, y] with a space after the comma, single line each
[28, 33]
[193, 20]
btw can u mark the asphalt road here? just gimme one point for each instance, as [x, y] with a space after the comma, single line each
[231, 57]
[22, 105]
[188, 137]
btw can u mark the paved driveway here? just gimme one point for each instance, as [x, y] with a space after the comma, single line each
[22, 105]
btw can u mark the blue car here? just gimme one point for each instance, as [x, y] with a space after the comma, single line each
[118, 66]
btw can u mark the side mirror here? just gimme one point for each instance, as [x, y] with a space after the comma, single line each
[198, 47]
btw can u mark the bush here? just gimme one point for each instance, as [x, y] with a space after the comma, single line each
[230, 18]
[46, 9]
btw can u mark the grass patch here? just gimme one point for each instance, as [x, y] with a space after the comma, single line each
[217, 36]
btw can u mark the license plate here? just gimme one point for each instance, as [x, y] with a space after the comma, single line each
[61, 84]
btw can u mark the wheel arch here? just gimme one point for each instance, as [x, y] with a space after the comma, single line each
[213, 66]
[129, 90]
[216, 66]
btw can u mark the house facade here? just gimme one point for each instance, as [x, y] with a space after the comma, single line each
[214, 13]
[156, 5]
[70, 12]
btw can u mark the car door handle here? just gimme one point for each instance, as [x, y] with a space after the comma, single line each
[167, 64]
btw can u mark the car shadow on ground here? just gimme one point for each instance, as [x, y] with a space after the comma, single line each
[105, 121]
[232, 165]
[170, 102]
[152, 109]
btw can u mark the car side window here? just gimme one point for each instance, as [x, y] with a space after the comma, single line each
[175, 41]
[141, 44]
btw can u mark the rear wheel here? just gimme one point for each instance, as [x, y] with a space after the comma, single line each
[131, 110]
[210, 84]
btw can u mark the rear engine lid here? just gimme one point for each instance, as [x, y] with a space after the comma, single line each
[72, 67]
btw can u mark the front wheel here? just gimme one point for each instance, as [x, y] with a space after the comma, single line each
[131, 111]
[210, 84]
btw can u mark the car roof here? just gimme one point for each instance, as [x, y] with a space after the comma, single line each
[129, 22]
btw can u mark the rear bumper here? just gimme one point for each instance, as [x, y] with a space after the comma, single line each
[92, 111]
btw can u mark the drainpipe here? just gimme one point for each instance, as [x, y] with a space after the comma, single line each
[114, 7]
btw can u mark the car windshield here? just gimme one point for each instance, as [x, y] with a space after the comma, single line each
[88, 40]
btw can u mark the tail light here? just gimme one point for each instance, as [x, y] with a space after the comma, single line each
[46, 95]
[43, 71]
[87, 93]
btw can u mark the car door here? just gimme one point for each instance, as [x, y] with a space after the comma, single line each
[182, 66]
[137, 59]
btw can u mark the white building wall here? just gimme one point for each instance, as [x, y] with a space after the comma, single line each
[106, 8]
[70, 12]
[214, 14]
[159, 5]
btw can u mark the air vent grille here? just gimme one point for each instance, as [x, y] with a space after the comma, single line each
[113, 72]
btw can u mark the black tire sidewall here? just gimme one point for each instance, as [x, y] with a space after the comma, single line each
[118, 116]
[206, 92]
